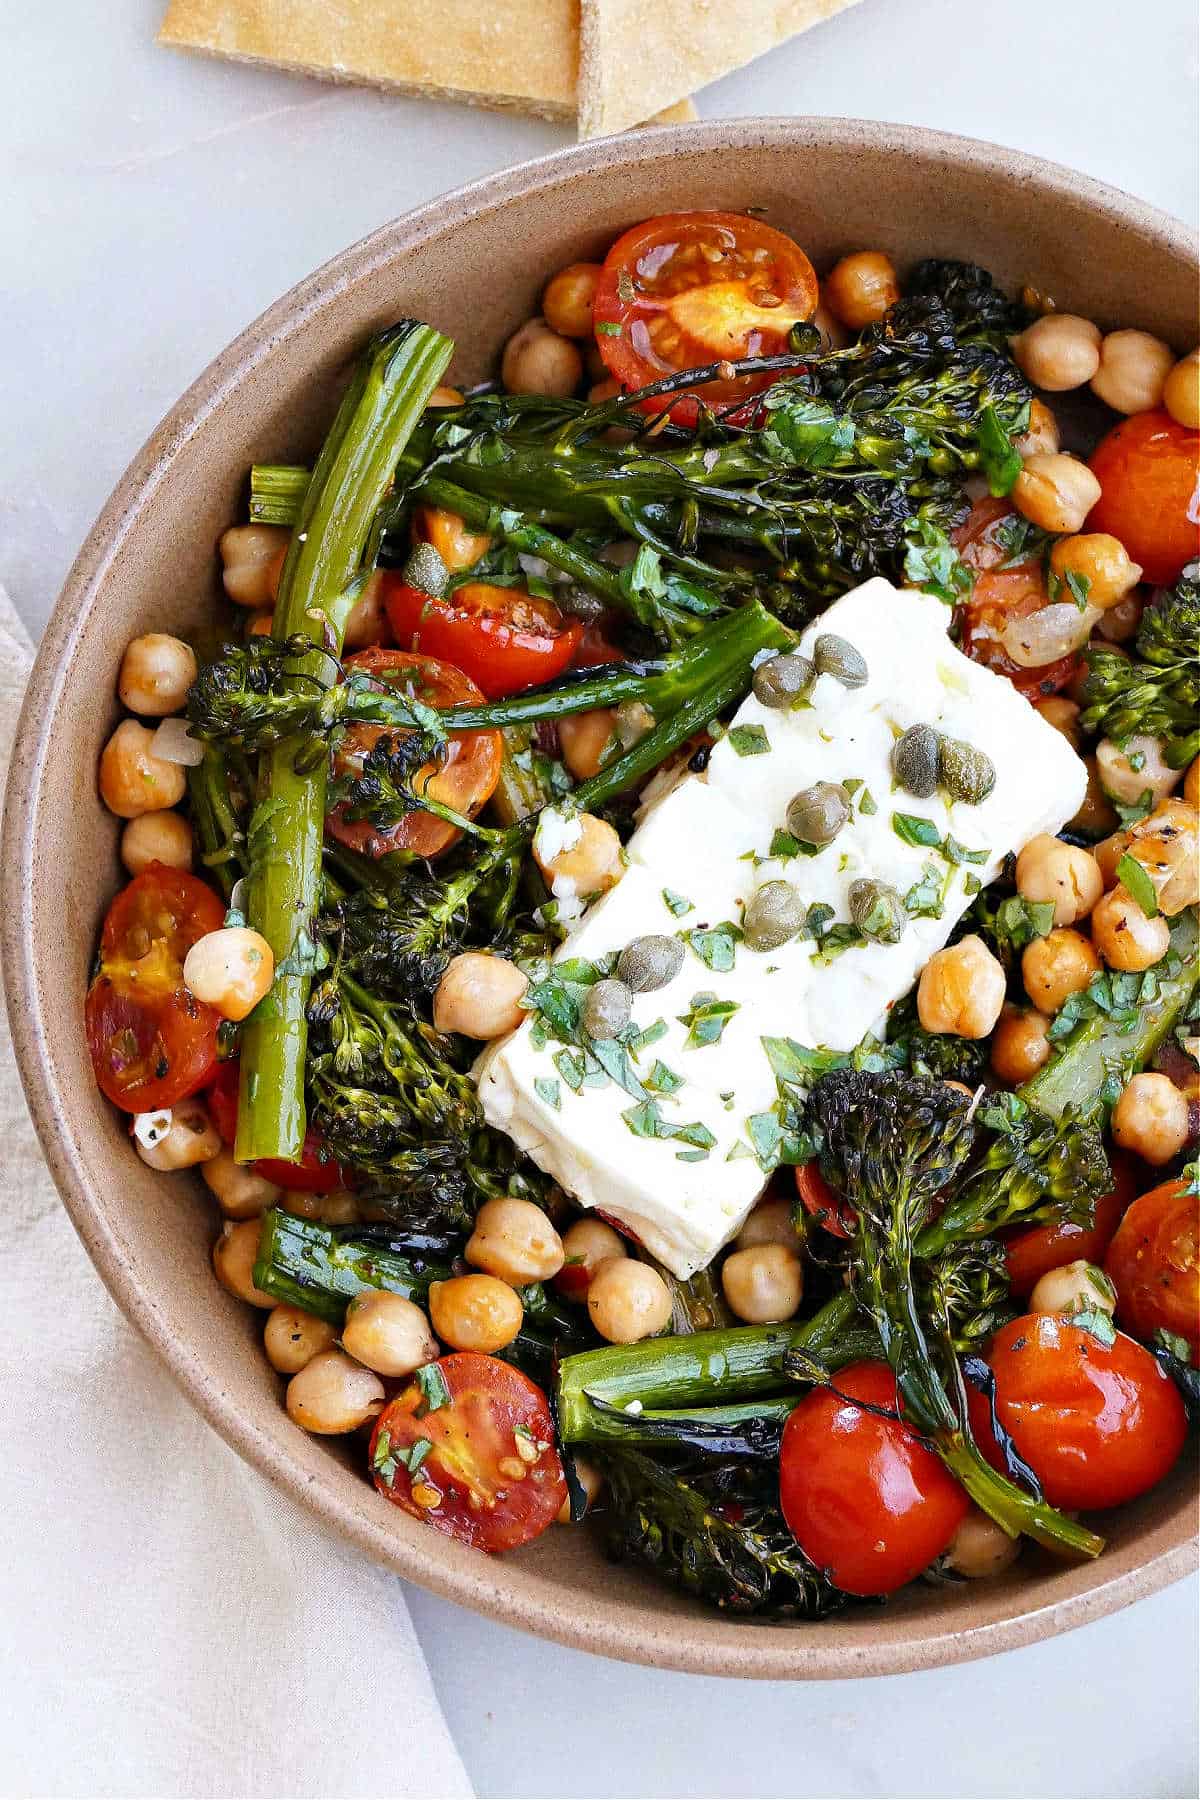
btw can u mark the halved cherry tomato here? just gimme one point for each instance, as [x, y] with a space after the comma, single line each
[1154, 1264]
[502, 638]
[491, 1476]
[593, 649]
[692, 288]
[464, 779]
[1148, 468]
[1032, 1251]
[864, 1497]
[1097, 1423]
[313, 1174]
[820, 1202]
[1001, 594]
[152, 1042]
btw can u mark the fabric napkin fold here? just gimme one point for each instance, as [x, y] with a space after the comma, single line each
[172, 1626]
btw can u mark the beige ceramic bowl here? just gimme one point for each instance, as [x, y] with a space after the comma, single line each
[473, 263]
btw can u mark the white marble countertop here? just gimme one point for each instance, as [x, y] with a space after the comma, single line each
[152, 204]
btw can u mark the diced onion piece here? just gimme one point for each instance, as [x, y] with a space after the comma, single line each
[1054, 631]
[150, 1128]
[174, 743]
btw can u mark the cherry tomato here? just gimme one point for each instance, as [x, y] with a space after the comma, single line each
[1032, 1251]
[1003, 593]
[502, 638]
[152, 1042]
[458, 546]
[1097, 1423]
[863, 1496]
[313, 1174]
[464, 779]
[491, 1476]
[1154, 1264]
[1148, 468]
[821, 1203]
[594, 649]
[687, 289]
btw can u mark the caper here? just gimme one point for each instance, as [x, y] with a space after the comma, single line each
[633, 720]
[834, 656]
[774, 914]
[915, 760]
[650, 962]
[784, 679]
[817, 813]
[877, 910]
[426, 570]
[579, 603]
[606, 1009]
[965, 772]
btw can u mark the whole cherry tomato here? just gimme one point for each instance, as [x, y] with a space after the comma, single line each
[1031, 1251]
[864, 1497]
[1097, 1423]
[1154, 1264]
[315, 1173]
[1148, 468]
[503, 639]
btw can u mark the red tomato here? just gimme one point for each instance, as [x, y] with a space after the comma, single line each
[821, 1203]
[594, 649]
[491, 1477]
[464, 779]
[1154, 1264]
[864, 1497]
[1001, 594]
[1148, 468]
[1097, 1423]
[502, 638]
[152, 1043]
[692, 288]
[313, 1174]
[1031, 1251]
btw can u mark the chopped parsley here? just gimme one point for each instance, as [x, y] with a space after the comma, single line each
[749, 740]
[548, 1091]
[677, 904]
[1138, 885]
[434, 1392]
[646, 1121]
[706, 1019]
[715, 945]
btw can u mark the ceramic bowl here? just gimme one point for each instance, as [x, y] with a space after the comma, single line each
[473, 263]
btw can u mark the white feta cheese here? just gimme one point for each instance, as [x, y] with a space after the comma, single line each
[556, 831]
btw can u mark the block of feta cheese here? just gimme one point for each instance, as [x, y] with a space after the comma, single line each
[695, 861]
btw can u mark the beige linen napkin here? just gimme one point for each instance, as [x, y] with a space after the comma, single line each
[171, 1626]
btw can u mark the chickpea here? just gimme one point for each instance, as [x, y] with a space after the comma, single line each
[292, 1338]
[446, 396]
[584, 738]
[1100, 560]
[192, 1138]
[133, 780]
[331, 1394]
[1166, 846]
[230, 970]
[591, 1481]
[537, 360]
[515, 1240]
[1120, 622]
[1151, 1119]
[769, 1223]
[628, 1300]
[156, 673]
[568, 298]
[1181, 391]
[339, 1207]
[1074, 1287]
[1048, 869]
[1096, 812]
[458, 547]
[479, 995]
[1041, 434]
[1063, 714]
[238, 1189]
[1133, 371]
[164, 837]
[367, 623]
[1191, 782]
[980, 1548]
[387, 1333]
[1124, 936]
[1055, 491]
[234, 1256]
[475, 1312]
[588, 863]
[1130, 770]
[252, 556]
[1108, 853]
[831, 328]
[261, 625]
[1020, 1044]
[601, 392]
[763, 1284]
[1056, 966]
[860, 288]
[1058, 352]
[586, 1244]
[961, 991]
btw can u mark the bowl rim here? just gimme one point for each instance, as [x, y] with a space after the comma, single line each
[502, 1590]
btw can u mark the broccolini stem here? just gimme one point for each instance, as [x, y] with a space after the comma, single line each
[222, 847]
[309, 1266]
[277, 492]
[395, 378]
